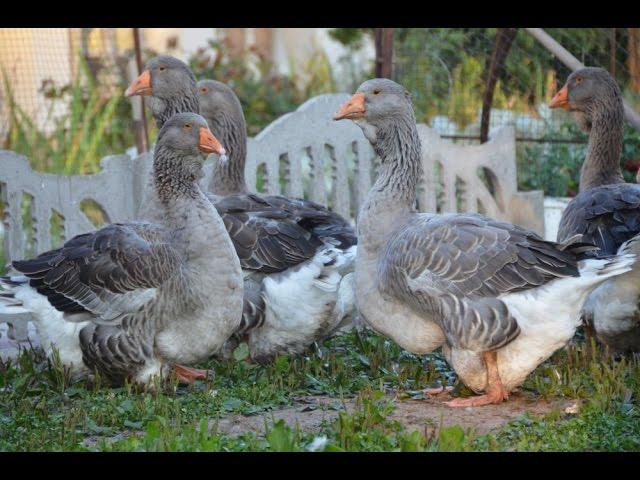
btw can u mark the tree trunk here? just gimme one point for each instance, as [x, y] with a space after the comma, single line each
[384, 52]
[634, 58]
[495, 64]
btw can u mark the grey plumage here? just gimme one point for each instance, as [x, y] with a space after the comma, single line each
[136, 281]
[498, 298]
[606, 212]
[455, 267]
[221, 107]
[271, 233]
[171, 94]
[606, 216]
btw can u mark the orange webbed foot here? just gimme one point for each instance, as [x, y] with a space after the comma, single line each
[188, 374]
[491, 397]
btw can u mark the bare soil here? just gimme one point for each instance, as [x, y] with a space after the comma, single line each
[430, 414]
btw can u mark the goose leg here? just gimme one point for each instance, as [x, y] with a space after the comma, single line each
[494, 391]
[188, 374]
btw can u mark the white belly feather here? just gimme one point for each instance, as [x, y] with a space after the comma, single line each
[53, 330]
[304, 303]
[547, 316]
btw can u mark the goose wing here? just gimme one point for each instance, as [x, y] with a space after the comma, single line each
[605, 216]
[271, 234]
[322, 222]
[455, 267]
[105, 273]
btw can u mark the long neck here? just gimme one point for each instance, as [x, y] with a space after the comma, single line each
[393, 195]
[175, 176]
[602, 162]
[228, 175]
[164, 108]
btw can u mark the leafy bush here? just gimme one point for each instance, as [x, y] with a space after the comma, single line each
[555, 167]
[264, 94]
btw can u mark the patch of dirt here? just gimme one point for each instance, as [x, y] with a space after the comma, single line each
[414, 414]
[92, 441]
[430, 413]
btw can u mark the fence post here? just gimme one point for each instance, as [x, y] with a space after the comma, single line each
[501, 46]
[384, 52]
[139, 118]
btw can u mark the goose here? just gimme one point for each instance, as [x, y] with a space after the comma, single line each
[496, 297]
[136, 300]
[606, 211]
[297, 256]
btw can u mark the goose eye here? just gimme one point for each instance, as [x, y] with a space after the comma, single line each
[203, 90]
[578, 80]
[162, 69]
[376, 92]
[187, 126]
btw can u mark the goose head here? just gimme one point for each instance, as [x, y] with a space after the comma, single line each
[187, 134]
[170, 86]
[219, 100]
[587, 92]
[377, 104]
[223, 110]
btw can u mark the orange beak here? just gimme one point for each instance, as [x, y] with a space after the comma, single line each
[561, 99]
[140, 86]
[209, 143]
[352, 109]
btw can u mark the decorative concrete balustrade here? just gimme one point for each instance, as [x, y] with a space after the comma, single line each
[302, 154]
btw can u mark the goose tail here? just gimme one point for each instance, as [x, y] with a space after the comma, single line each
[9, 304]
[623, 261]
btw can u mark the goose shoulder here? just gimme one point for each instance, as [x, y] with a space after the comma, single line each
[455, 268]
[606, 216]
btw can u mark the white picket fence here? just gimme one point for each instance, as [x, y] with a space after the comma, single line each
[302, 154]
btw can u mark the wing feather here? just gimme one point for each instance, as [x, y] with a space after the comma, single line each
[456, 267]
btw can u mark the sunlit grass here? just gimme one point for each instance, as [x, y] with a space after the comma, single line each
[41, 409]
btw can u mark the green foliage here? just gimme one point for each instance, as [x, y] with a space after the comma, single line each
[264, 94]
[591, 431]
[350, 37]
[555, 167]
[41, 409]
[464, 101]
[96, 124]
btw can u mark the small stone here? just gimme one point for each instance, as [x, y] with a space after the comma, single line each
[572, 409]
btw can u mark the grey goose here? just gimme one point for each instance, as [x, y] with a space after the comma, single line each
[131, 300]
[606, 211]
[297, 256]
[496, 297]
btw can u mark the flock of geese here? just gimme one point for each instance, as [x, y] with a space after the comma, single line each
[200, 272]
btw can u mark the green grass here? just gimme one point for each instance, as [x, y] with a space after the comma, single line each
[40, 409]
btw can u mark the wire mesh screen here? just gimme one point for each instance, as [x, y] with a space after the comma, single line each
[60, 94]
[446, 71]
[40, 62]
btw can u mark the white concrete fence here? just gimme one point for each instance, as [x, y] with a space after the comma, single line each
[302, 154]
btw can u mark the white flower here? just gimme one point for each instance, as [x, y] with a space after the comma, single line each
[318, 444]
